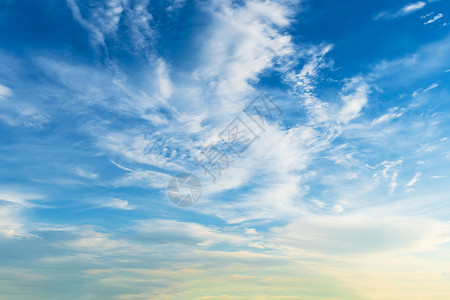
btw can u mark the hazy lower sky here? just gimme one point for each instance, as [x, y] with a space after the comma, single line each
[317, 129]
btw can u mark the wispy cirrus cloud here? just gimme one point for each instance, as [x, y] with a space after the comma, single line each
[347, 184]
[5, 92]
[393, 113]
[13, 223]
[118, 204]
[405, 10]
[434, 19]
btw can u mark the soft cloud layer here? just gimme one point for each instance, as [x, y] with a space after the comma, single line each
[342, 193]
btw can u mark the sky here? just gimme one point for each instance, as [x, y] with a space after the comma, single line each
[317, 130]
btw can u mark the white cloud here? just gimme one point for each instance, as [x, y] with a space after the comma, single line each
[393, 113]
[434, 19]
[102, 21]
[138, 20]
[165, 85]
[400, 72]
[97, 35]
[433, 86]
[406, 10]
[176, 232]
[136, 147]
[12, 222]
[86, 172]
[413, 7]
[22, 199]
[5, 92]
[414, 179]
[143, 178]
[250, 231]
[303, 82]
[318, 203]
[427, 15]
[338, 208]
[355, 98]
[275, 184]
[272, 173]
[91, 241]
[243, 41]
[20, 113]
[174, 5]
[389, 173]
[347, 234]
[118, 204]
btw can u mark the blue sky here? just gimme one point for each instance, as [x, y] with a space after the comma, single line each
[344, 194]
